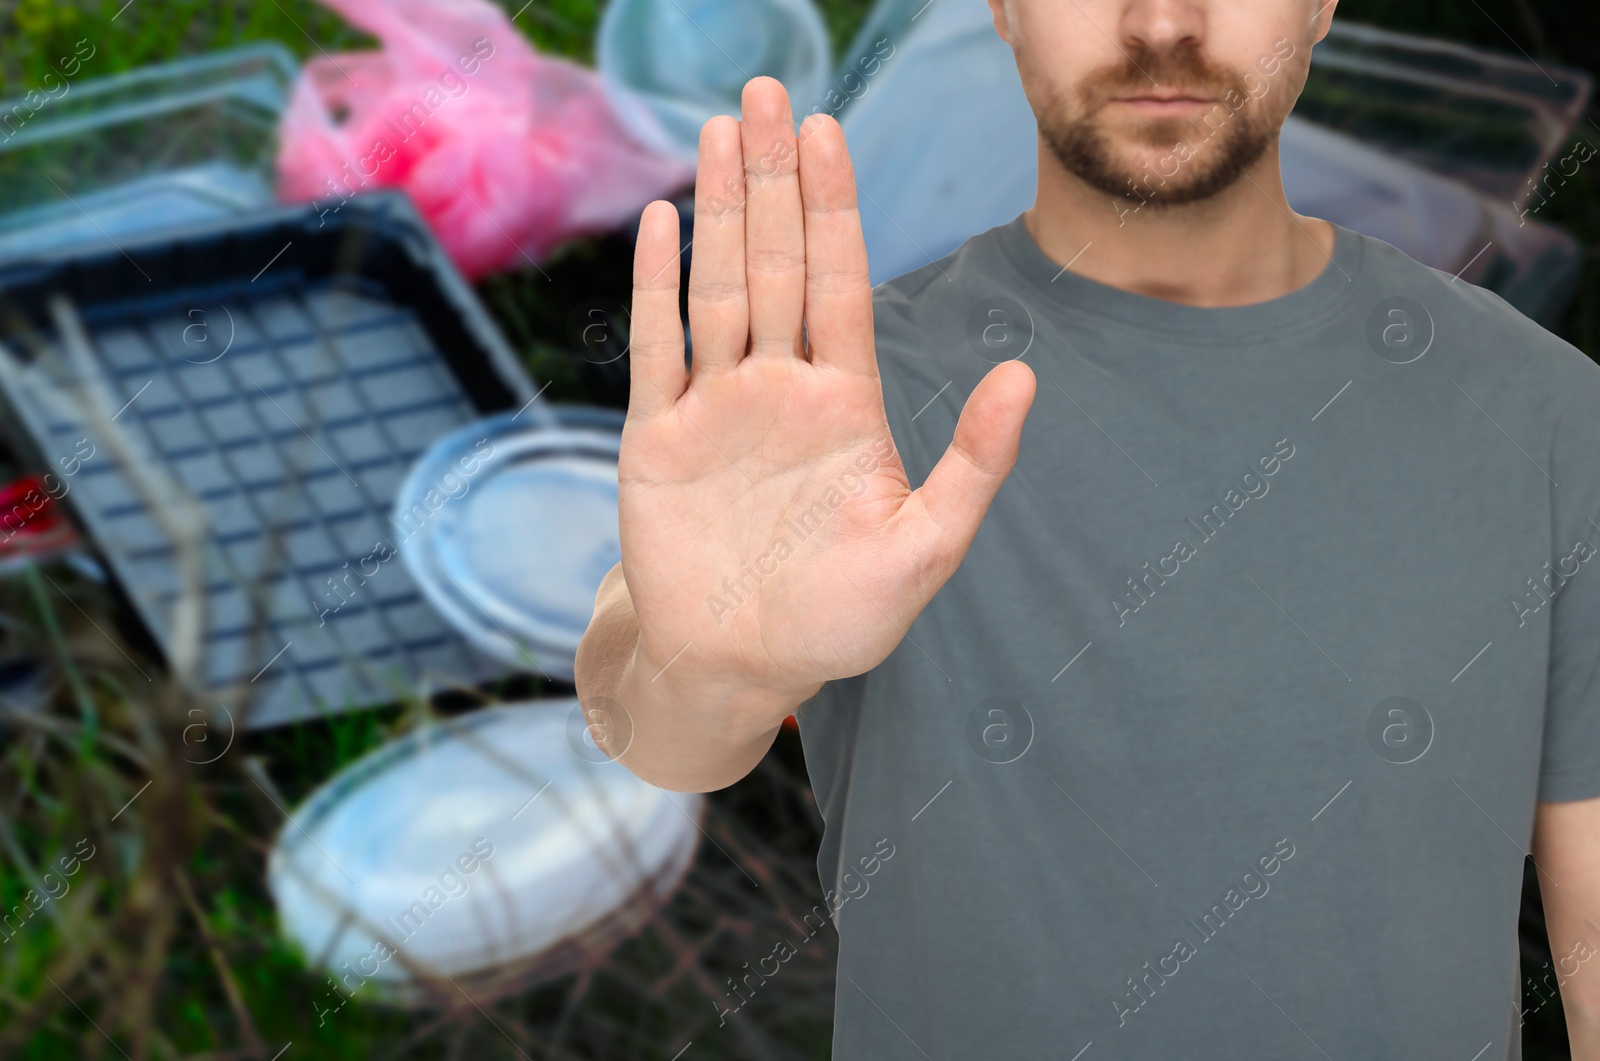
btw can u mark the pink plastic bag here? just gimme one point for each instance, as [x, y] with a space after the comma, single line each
[506, 152]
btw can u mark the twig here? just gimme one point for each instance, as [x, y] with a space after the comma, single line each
[230, 987]
[66, 732]
[47, 616]
[179, 515]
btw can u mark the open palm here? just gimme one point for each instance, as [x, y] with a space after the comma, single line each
[769, 533]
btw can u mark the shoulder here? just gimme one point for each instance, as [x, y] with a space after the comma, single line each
[1481, 331]
[921, 318]
[1537, 388]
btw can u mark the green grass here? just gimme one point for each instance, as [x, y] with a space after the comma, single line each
[167, 940]
[166, 936]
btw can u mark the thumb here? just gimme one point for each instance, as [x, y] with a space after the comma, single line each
[959, 489]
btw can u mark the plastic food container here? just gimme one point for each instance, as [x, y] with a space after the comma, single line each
[1488, 119]
[669, 65]
[172, 144]
[489, 848]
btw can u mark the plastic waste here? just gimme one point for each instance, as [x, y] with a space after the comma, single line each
[671, 64]
[511, 523]
[103, 158]
[505, 152]
[498, 848]
[360, 340]
[944, 145]
[1490, 119]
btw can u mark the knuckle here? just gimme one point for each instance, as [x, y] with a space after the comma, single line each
[845, 278]
[780, 259]
[715, 289]
[763, 345]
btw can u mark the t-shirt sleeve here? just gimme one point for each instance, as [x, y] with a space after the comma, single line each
[1570, 764]
[1570, 768]
[827, 737]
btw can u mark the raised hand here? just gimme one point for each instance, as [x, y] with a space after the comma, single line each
[770, 537]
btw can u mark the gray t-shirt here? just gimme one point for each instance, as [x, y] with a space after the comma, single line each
[1226, 737]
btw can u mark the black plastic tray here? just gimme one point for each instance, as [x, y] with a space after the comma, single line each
[283, 371]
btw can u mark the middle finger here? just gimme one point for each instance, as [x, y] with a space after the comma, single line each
[775, 242]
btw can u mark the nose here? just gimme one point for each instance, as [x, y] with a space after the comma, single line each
[1162, 25]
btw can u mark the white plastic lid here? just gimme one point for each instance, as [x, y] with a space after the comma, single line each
[508, 528]
[560, 841]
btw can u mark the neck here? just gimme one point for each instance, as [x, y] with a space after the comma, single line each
[1241, 246]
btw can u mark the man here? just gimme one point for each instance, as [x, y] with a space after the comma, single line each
[1227, 731]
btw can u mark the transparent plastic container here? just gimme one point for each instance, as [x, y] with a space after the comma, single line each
[1489, 120]
[669, 65]
[158, 146]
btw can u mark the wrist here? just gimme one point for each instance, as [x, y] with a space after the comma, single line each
[748, 706]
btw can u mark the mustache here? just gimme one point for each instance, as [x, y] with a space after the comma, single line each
[1184, 71]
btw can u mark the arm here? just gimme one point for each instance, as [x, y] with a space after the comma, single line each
[1566, 848]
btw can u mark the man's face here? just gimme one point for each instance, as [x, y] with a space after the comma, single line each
[1161, 101]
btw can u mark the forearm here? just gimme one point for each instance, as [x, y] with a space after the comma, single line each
[1583, 1029]
[675, 729]
[1566, 848]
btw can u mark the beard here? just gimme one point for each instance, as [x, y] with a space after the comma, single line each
[1221, 144]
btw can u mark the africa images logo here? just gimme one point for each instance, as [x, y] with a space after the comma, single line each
[1253, 485]
[1143, 989]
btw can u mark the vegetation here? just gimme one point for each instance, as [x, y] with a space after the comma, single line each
[165, 946]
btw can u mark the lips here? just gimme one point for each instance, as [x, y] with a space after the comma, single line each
[1163, 106]
[1161, 99]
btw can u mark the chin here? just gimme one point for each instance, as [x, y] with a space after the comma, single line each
[1140, 176]
[1153, 162]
